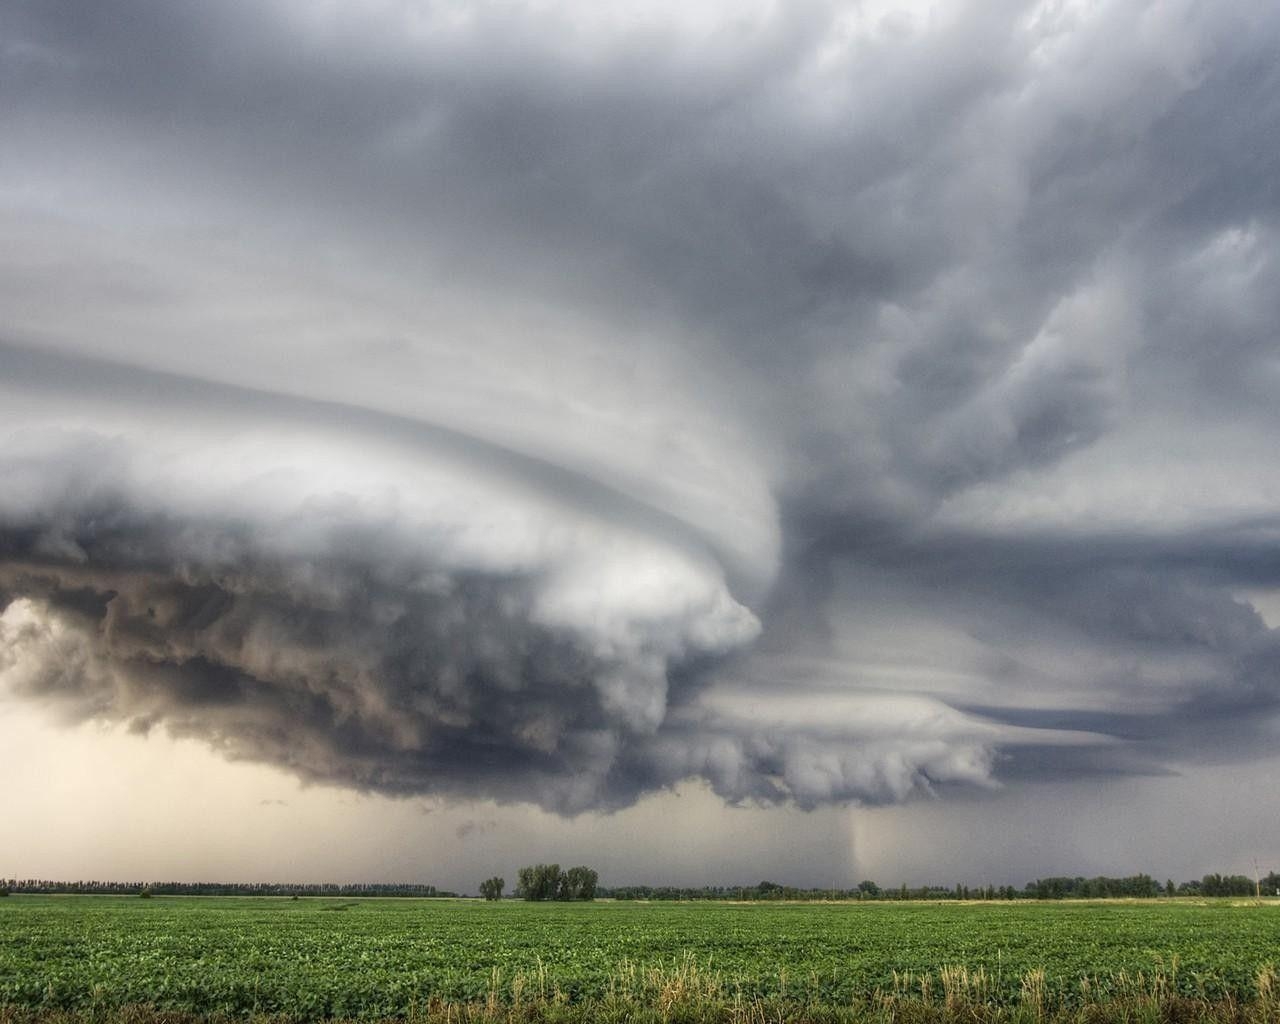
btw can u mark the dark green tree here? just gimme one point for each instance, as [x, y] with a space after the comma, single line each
[1226, 885]
[539, 882]
[491, 888]
[579, 884]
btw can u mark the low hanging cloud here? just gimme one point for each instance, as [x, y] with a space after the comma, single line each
[398, 616]
[828, 402]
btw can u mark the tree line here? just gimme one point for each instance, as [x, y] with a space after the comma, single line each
[1140, 886]
[546, 882]
[90, 887]
[538, 882]
[1145, 886]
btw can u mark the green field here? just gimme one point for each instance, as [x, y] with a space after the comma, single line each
[383, 958]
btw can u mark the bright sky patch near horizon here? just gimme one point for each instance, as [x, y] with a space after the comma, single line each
[707, 441]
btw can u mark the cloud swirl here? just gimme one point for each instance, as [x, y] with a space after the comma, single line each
[553, 404]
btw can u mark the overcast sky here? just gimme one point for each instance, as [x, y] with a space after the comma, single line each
[711, 441]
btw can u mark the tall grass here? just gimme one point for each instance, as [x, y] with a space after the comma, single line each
[689, 992]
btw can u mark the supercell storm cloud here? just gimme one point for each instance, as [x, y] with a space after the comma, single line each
[554, 403]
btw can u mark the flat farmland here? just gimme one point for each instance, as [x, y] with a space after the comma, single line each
[313, 958]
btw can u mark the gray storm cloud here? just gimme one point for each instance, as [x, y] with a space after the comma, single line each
[828, 401]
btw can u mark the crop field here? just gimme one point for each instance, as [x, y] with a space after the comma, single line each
[318, 958]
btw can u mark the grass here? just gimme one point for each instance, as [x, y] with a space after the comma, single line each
[687, 995]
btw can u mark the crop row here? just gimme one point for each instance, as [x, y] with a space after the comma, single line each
[375, 958]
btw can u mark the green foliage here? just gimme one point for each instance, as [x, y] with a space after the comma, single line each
[396, 958]
[1134, 886]
[538, 882]
[547, 882]
[491, 888]
[578, 884]
[1226, 885]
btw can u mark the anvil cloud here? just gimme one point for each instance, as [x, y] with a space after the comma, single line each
[555, 403]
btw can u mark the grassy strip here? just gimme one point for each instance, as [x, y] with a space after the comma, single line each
[690, 994]
[1170, 1010]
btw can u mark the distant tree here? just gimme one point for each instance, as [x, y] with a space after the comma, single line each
[491, 888]
[539, 882]
[1169, 888]
[578, 884]
[1226, 885]
[548, 882]
[145, 892]
[903, 894]
[868, 889]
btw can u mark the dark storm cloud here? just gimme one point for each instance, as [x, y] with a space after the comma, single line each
[1139, 639]
[826, 402]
